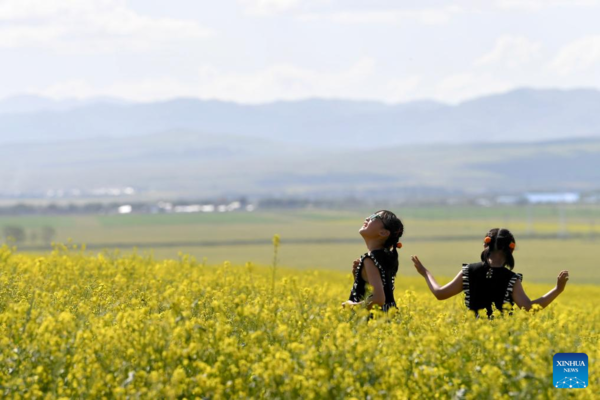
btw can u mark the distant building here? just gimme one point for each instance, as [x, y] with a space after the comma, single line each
[553, 198]
[125, 209]
[509, 200]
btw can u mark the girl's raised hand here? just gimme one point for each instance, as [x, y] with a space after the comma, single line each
[418, 266]
[355, 266]
[562, 279]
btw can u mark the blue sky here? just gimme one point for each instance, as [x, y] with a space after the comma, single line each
[255, 51]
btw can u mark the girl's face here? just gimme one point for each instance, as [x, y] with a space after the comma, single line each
[373, 227]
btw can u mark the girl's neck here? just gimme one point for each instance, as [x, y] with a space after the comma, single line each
[373, 244]
[496, 262]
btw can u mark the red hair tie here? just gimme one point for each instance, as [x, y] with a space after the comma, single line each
[512, 245]
[399, 245]
[487, 240]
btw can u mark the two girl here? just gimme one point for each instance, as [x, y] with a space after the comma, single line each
[488, 282]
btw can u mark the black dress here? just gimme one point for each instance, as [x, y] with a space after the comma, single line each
[384, 264]
[484, 286]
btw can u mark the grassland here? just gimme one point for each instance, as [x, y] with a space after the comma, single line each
[549, 239]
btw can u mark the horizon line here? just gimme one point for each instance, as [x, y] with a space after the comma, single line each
[128, 101]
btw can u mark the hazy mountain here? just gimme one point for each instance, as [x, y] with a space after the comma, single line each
[197, 164]
[525, 115]
[173, 161]
[518, 141]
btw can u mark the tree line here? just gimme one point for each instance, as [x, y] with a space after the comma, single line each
[15, 234]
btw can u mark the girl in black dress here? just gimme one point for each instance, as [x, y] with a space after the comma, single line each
[492, 280]
[378, 267]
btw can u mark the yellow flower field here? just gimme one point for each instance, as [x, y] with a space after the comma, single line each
[74, 325]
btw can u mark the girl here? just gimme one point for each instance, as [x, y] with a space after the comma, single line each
[491, 281]
[378, 267]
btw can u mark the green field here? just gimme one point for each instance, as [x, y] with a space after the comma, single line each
[549, 239]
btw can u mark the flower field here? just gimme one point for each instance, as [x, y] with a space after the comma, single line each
[75, 325]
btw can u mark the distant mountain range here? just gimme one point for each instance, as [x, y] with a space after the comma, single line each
[524, 115]
[519, 141]
[188, 164]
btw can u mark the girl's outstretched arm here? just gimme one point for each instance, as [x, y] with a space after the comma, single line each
[441, 293]
[521, 299]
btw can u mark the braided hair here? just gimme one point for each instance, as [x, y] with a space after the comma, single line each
[502, 240]
[393, 224]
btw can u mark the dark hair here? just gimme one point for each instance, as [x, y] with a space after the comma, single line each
[393, 224]
[500, 239]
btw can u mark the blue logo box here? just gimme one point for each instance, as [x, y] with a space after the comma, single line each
[570, 370]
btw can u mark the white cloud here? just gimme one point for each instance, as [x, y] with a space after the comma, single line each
[428, 16]
[283, 81]
[512, 52]
[18, 36]
[88, 26]
[37, 9]
[268, 7]
[402, 89]
[72, 89]
[537, 5]
[577, 56]
[459, 87]
[278, 82]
